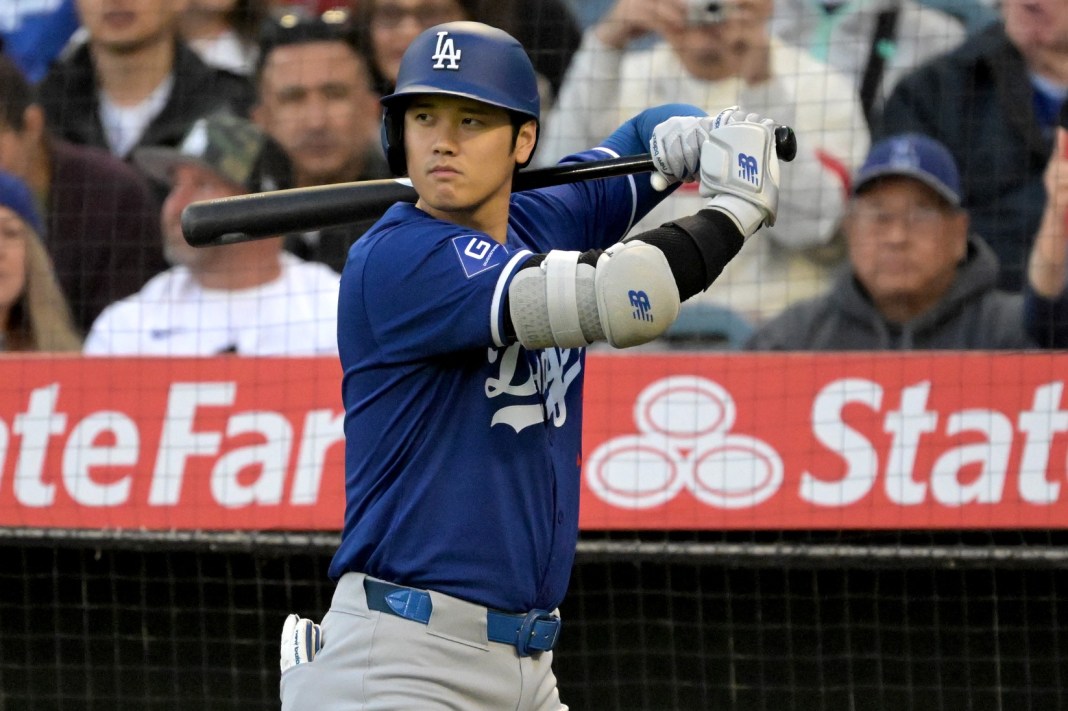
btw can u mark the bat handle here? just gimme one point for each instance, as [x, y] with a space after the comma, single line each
[785, 149]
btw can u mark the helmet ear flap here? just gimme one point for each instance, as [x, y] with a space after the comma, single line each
[393, 139]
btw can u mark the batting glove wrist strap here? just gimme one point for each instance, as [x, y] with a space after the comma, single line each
[739, 161]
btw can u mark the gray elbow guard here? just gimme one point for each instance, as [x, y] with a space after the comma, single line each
[629, 298]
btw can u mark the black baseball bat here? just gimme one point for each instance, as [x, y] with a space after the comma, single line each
[258, 215]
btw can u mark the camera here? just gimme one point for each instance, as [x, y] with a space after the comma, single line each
[706, 12]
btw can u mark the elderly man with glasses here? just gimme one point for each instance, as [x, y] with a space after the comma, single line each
[917, 278]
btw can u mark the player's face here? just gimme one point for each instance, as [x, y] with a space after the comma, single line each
[395, 23]
[461, 157]
[128, 25]
[190, 183]
[13, 235]
[905, 243]
[316, 102]
[1036, 24]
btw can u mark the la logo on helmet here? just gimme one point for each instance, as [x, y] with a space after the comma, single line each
[446, 51]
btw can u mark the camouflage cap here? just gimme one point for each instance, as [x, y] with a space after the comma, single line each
[227, 145]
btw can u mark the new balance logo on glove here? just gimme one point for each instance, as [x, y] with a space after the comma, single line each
[748, 168]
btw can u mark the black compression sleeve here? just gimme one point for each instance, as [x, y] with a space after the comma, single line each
[697, 248]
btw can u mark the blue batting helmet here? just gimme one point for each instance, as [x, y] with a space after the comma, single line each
[467, 59]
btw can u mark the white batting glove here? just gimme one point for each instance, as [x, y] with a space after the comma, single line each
[740, 173]
[676, 145]
[301, 641]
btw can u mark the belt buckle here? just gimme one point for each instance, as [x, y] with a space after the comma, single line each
[528, 640]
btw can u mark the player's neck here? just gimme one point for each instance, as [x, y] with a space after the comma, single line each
[490, 217]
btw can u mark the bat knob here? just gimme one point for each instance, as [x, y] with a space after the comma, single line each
[785, 143]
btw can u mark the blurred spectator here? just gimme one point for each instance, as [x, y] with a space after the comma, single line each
[917, 279]
[873, 41]
[224, 33]
[994, 102]
[101, 218]
[391, 25]
[1045, 294]
[134, 83]
[714, 61]
[34, 33]
[315, 100]
[546, 28]
[249, 298]
[33, 312]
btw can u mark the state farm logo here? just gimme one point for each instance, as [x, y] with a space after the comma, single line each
[684, 441]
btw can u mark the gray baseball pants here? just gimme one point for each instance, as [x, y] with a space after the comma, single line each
[375, 661]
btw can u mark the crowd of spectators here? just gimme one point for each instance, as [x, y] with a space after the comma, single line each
[97, 95]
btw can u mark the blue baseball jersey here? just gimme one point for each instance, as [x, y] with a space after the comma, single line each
[463, 450]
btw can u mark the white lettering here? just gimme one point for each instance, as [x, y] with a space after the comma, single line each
[80, 455]
[991, 457]
[1039, 424]
[518, 417]
[907, 425]
[477, 248]
[322, 430]
[37, 425]
[271, 458]
[178, 441]
[445, 51]
[862, 462]
[556, 380]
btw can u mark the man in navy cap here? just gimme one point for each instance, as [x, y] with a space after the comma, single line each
[916, 278]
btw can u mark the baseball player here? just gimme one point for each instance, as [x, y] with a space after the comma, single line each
[461, 329]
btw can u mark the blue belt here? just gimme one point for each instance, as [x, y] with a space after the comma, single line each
[536, 631]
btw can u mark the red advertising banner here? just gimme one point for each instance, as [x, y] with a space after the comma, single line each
[672, 441]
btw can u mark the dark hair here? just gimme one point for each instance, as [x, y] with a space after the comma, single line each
[246, 18]
[294, 27]
[16, 94]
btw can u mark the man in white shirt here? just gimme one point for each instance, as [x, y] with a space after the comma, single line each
[133, 82]
[642, 54]
[250, 298]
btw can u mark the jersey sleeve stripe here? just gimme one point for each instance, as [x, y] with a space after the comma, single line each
[496, 308]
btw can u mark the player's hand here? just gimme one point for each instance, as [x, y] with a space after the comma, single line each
[675, 146]
[301, 641]
[740, 173]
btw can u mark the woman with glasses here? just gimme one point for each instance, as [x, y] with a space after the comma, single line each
[33, 312]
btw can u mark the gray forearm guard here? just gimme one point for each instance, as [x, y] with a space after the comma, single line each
[629, 298]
